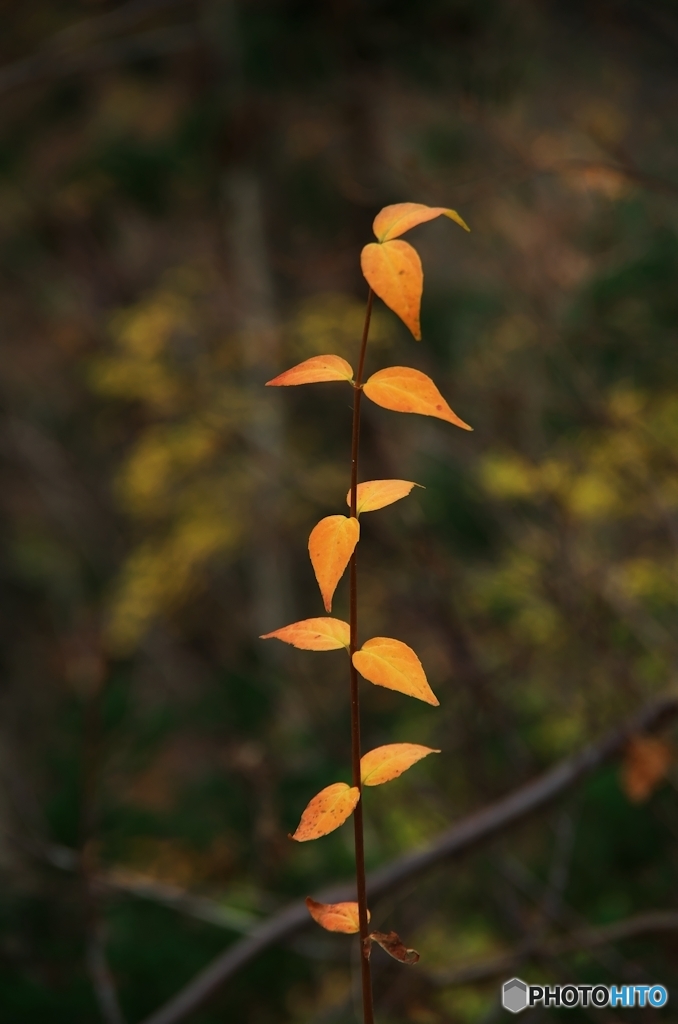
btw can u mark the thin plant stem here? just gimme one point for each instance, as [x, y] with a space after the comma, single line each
[368, 1009]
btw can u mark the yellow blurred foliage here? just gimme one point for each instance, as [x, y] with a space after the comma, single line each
[333, 323]
[157, 576]
[647, 578]
[160, 459]
[186, 479]
[508, 476]
[591, 531]
[169, 358]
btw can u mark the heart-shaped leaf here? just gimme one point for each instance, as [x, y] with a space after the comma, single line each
[326, 811]
[323, 634]
[336, 917]
[394, 221]
[403, 389]
[330, 545]
[393, 271]
[391, 663]
[314, 371]
[374, 494]
[388, 762]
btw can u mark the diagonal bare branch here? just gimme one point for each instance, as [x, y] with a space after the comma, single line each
[121, 18]
[650, 923]
[458, 839]
[80, 47]
[155, 42]
[101, 976]
[200, 907]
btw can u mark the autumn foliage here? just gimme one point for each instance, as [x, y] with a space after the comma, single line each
[392, 268]
[393, 271]
[646, 763]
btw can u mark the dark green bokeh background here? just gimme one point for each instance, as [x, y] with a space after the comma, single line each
[184, 192]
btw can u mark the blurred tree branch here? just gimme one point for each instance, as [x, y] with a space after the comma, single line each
[64, 54]
[100, 973]
[460, 838]
[541, 948]
[652, 922]
[129, 883]
[124, 17]
[561, 916]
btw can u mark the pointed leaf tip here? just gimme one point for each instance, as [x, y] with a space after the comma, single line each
[374, 494]
[336, 917]
[326, 811]
[388, 762]
[393, 271]
[314, 371]
[322, 634]
[330, 545]
[393, 221]
[402, 389]
[391, 663]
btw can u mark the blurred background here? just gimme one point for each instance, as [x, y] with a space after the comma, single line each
[185, 187]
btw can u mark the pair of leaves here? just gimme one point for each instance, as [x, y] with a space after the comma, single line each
[381, 660]
[332, 806]
[344, 918]
[334, 538]
[392, 268]
[399, 388]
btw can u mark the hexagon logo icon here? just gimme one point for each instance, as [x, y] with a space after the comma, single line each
[514, 995]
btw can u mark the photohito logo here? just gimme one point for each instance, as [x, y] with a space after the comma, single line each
[516, 995]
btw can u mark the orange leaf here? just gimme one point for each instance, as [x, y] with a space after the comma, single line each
[314, 371]
[394, 946]
[335, 917]
[403, 389]
[394, 221]
[330, 546]
[374, 494]
[327, 810]
[393, 271]
[646, 762]
[322, 634]
[385, 763]
[393, 664]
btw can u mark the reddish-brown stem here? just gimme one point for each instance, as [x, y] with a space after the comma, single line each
[368, 1010]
